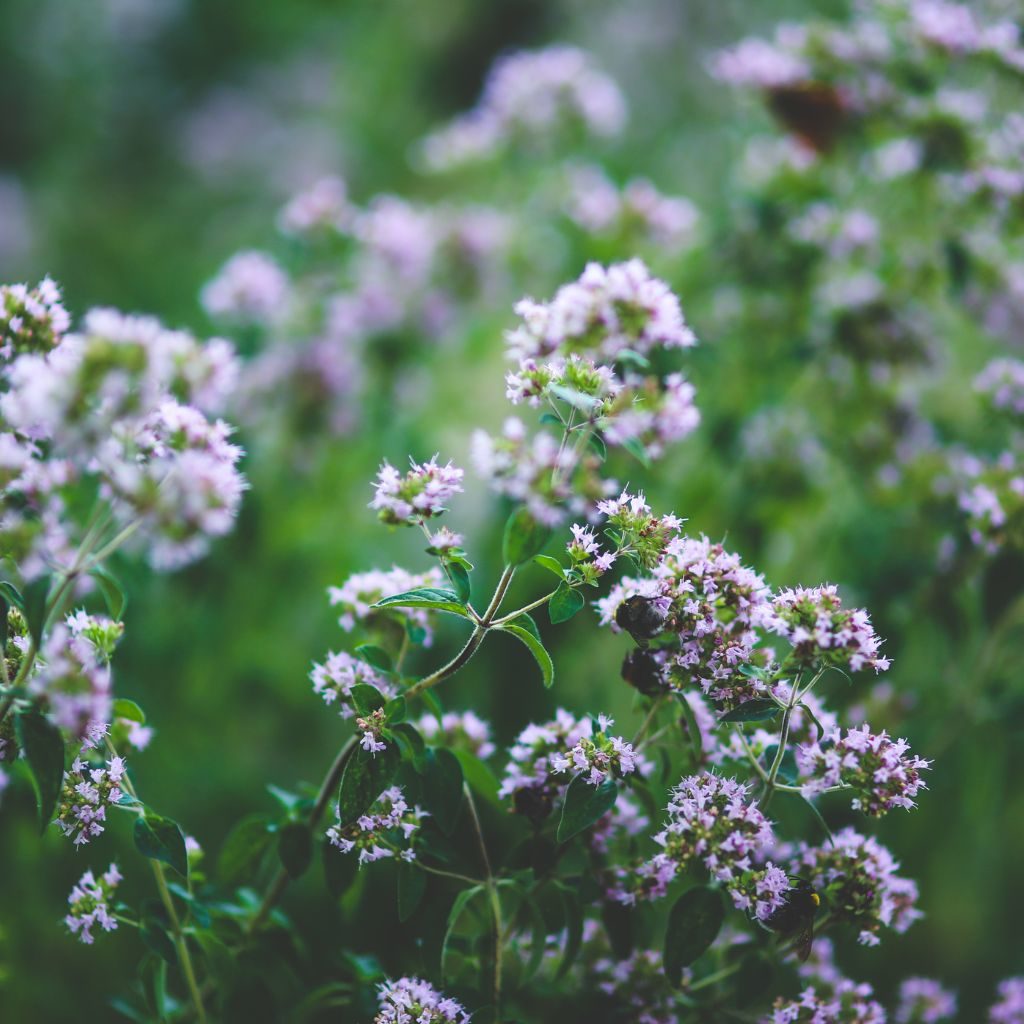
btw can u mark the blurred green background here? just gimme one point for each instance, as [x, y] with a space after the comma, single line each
[144, 141]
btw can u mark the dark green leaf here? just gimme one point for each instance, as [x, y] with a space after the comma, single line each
[788, 771]
[243, 850]
[759, 709]
[442, 788]
[426, 597]
[524, 537]
[43, 746]
[4, 607]
[365, 777]
[124, 708]
[693, 924]
[584, 805]
[637, 450]
[395, 710]
[550, 419]
[366, 698]
[564, 604]
[618, 925]
[552, 565]
[597, 443]
[537, 649]
[574, 929]
[411, 744]
[460, 580]
[753, 979]
[295, 848]
[155, 935]
[412, 883]
[538, 938]
[478, 775]
[161, 839]
[458, 907]
[200, 912]
[12, 595]
[36, 594]
[527, 622]
[814, 718]
[113, 592]
[340, 869]
[375, 656]
[692, 729]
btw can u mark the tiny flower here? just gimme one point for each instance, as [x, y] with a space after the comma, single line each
[1009, 1006]
[412, 1001]
[458, 731]
[334, 678]
[89, 904]
[249, 288]
[386, 830]
[86, 794]
[420, 495]
[924, 1001]
[31, 320]
[370, 726]
[598, 757]
[444, 541]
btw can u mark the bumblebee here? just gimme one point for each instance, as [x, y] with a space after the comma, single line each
[794, 920]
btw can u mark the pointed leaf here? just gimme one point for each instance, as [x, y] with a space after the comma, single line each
[161, 839]
[426, 597]
[366, 698]
[36, 594]
[537, 649]
[240, 856]
[565, 602]
[462, 901]
[43, 746]
[113, 592]
[524, 537]
[760, 709]
[412, 884]
[693, 925]
[460, 580]
[340, 869]
[375, 656]
[442, 788]
[124, 708]
[365, 777]
[553, 565]
[584, 805]
[295, 848]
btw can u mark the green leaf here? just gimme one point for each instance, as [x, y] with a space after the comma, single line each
[340, 869]
[549, 418]
[462, 901]
[426, 597]
[460, 580]
[113, 592]
[124, 708]
[375, 656]
[759, 709]
[584, 805]
[579, 400]
[524, 537]
[637, 450]
[12, 595]
[692, 729]
[442, 788]
[395, 710]
[537, 649]
[478, 775]
[538, 937]
[366, 698]
[574, 929]
[36, 594]
[634, 359]
[788, 771]
[527, 622]
[410, 743]
[295, 848]
[4, 606]
[240, 856]
[813, 717]
[618, 925]
[200, 912]
[693, 924]
[412, 884]
[754, 978]
[597, 443]
[43, 746]
[365, 777]
[564, 604]
[552, 565]
[161, 839]
[155, 935]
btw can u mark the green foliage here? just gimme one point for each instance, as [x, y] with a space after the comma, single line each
[584, 805]
[162, 839]
[43, 745]
[693, 924]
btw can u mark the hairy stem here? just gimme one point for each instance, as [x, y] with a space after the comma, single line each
[787, 716]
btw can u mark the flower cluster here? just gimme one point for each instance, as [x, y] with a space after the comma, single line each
[324, 206]
[357, 596]
[638, 533]
[372, 727]
[334, 678]
[924, 1001]
[598, 756]
[638, 986]
[458, 731]
[419, 495]
[849, 1003]
[250, 288]
[89, 904]
[412, 1001]
[822, 632]
[992, 499]
[530, 96]
[31, 320]
[711, 820]
[857, 877]
[386, 830]
[587, 557]
[1009, 1007]
[1002, 381]
[85, 797]
[638, 210]
[876, 767]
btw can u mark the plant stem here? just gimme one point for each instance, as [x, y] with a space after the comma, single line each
[492, 892]
[787, 715]
[750, 754]
[649, 720]
[714, 978]
[453, 666]
[499, 595]
[522, 611]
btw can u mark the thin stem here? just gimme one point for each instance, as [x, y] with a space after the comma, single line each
[714, 978]
[112, 545]
[447, 874]
[750, 755]
[184, 956]
[499, 595]
[649, 720]
[492, 892]
[522, 611]
[453, 666]
[787, 715]
[5, 704]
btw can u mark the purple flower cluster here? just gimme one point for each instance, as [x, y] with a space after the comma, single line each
[412, 1001]
[371, 727]
[85, 797]
[848, 1003]
[1002, 381]
[323, 207]
[711, 820]
[876, 767]
[89, 904]
[250, 288]
[31, 320]
[334, 678]
[463, 730]
[530, 96]
[1009, 1007]
[528, 774]
[822, 632]
[386, 830]
[598, 756]
[924, 1001]
[637, 986]
[419, 495]
[857, 876]
[357, 596]
[992, 498]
